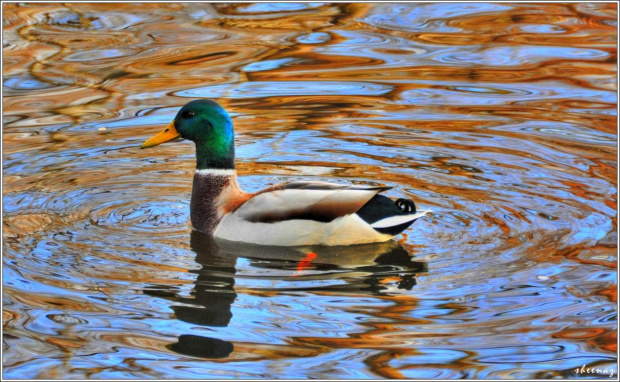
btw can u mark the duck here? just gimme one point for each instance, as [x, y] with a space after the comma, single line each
[294, 213]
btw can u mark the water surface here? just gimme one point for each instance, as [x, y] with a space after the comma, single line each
[501, 118]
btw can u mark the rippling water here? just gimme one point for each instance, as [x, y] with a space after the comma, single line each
[501, 118]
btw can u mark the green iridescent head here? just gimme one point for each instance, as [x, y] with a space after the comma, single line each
[209, 126]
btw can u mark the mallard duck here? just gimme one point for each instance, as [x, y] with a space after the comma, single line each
[286, 214]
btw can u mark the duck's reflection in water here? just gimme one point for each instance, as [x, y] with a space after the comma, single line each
[369, 268]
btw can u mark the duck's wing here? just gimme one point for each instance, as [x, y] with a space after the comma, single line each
[317, 185]
[318, 201]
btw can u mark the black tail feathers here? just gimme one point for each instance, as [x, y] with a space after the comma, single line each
[406, 205]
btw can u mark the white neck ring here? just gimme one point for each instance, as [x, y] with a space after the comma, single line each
[216, 171]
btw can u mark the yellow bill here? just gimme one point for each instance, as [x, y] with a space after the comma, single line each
[169, 133]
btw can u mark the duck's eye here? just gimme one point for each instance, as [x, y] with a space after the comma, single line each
[188, 114]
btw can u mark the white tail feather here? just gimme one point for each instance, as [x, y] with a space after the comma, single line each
[398, 220]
